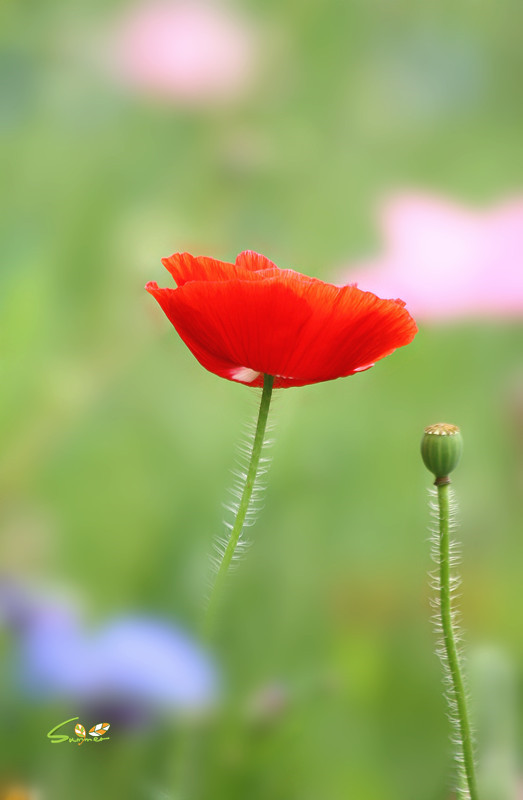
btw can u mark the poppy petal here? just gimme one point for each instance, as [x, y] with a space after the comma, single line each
[261, 267]
[184, 267]
[211, 361]
[254, 261]
[298, 329]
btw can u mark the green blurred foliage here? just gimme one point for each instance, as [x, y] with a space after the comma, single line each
[116, 445]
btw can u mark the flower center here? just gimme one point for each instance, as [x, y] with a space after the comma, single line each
[442, 429]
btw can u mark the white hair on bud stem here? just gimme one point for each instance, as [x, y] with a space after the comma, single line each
[441, 651]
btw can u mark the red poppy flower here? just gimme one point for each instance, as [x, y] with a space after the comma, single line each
[249, 318]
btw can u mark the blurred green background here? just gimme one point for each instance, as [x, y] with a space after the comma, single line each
[116, 446]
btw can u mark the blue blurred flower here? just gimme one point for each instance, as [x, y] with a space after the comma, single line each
[136, 663]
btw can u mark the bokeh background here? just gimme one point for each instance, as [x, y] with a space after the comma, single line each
[132, 131]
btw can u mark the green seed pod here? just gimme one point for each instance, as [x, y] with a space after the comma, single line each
[441, 449]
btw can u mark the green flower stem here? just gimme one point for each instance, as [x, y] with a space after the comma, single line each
[259, 437]
[450, 641]
[185, 772]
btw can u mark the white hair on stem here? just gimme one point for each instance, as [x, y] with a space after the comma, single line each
[435, 601]
[244, 450]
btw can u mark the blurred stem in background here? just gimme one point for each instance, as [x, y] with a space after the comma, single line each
[441, 449]
[495, 696]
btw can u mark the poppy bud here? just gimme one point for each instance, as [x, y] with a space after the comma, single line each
[441, 449]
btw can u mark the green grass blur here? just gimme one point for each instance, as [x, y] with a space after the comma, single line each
[116, 445]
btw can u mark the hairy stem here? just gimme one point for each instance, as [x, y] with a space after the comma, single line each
[243, 507]
[186, 775]
[449, 641]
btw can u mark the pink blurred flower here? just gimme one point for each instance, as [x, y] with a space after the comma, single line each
[190, 52]
[447, 261]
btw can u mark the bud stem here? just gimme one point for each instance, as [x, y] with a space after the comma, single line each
[449, 641]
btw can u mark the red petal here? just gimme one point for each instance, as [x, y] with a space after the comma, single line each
[184, 267]
[298, 329]
[263, 268]
[254, 261]
[212, 362]
[249, 266]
